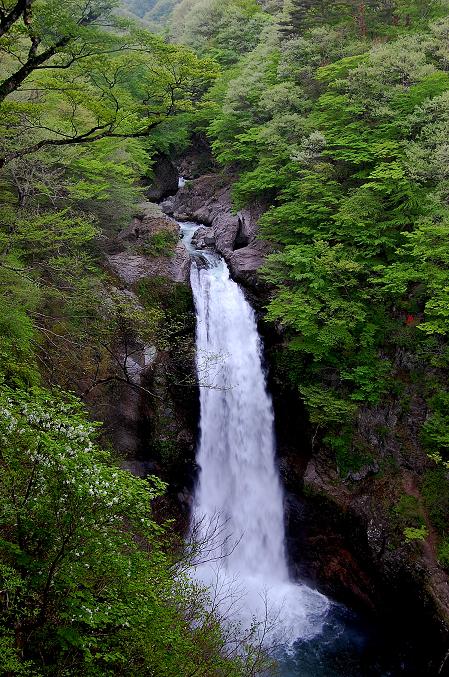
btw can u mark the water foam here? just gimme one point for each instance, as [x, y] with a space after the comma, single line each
[239, 481]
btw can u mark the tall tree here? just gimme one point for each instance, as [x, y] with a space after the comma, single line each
[294, 16]
[76, 73]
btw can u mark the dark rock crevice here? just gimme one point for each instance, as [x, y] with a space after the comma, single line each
[164, 181]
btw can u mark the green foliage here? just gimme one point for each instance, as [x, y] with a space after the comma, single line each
[435, 492]
[335, 116]
[341, 130]
[175, 298]
[90, 583]
[443, 553]
[19, 296]
[326, 406]
[409, 512]
[175, 333]
[416, 534]
[435, 435]
[224, 30]
[160, 244]
[73, 74]
[95, 75]
[350, 458]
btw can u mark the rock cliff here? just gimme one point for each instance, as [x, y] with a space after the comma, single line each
[345, 528]
[208, 200]
[152, 419]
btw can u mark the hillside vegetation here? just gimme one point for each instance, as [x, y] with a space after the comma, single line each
[335, 116]
[91, 583]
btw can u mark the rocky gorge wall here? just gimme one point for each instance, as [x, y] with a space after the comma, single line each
[149, 406]
[207, 200]
[344, 529]
[343, 533]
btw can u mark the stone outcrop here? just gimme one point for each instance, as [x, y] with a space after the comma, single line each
[393, 470]
[344, 533]
[208, 200]
[151, 420]
[165, 179]
[245, 262]
[203, 238]
[131, 258]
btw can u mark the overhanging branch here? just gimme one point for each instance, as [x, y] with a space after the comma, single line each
[94, 134]
[8, 20]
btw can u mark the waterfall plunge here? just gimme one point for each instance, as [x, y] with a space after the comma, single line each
[238, 479]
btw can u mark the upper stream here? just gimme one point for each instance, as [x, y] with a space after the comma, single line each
[239, 498]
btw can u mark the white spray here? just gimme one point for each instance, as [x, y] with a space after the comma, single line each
[238, 479]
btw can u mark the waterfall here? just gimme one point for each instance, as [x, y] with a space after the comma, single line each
[238, 479]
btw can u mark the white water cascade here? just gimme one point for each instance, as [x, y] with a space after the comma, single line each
[238, 478]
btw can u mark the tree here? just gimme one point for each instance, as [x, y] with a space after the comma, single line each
[90, 584]
[12, 12]
[76, 73]
[294, 18]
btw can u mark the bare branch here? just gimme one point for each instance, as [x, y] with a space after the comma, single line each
[94, 134]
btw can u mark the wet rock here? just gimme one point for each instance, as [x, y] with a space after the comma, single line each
[402, 572]
[208, 200]
[244, 263]
[180, 268]
[359, 475]
[203, 238]
[168, 206]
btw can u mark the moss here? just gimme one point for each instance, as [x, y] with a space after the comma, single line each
[407, 511]
[167, 450]
[349, 457]
[443, 554]
[161, 243]
[175, 298]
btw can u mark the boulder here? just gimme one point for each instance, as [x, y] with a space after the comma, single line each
[244, 263]
[168, 206]
[203, 238]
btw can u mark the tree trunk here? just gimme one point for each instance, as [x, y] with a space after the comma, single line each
[7, 20]
[361, 20]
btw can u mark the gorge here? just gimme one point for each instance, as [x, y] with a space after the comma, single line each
[238, 503]
[224, 454]
[238, 483]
